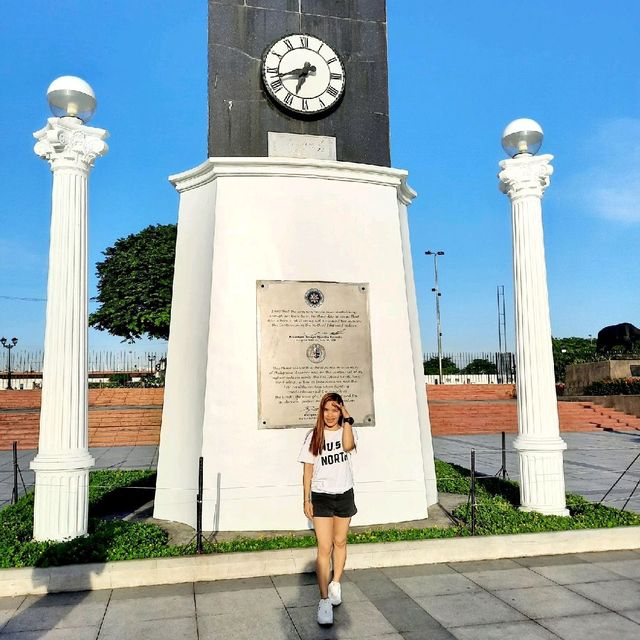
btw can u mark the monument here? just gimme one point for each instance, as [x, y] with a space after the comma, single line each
[293, 275]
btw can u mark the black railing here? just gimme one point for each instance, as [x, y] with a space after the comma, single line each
[99, 360]
[468, 367]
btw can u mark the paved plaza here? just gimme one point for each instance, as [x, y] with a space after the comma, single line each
[595, 595]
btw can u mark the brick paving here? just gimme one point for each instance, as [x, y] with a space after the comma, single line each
[487, 409]
[124, 417]
[117, 417]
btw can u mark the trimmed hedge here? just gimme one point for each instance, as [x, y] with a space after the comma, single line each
[109, 540]
[617, 387]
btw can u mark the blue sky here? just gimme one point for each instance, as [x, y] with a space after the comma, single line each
[459, 72]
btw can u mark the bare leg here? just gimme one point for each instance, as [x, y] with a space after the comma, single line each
[340, 530]
[324, 536]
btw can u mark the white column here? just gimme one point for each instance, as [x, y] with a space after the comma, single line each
[524, 179]
[63, 461]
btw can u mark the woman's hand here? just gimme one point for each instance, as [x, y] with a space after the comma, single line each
[343, 409]
[308, 509]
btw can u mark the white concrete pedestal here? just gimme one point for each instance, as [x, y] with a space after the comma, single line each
[248, 219]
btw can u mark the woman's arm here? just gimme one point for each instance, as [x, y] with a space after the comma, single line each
[306, 490]
[348, 441]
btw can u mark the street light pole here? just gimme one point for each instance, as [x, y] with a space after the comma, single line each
[436, 291]
[524, 178]
[63, 461]
[9, 344]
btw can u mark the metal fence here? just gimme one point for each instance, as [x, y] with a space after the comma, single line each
[31, 361]
[458, 368]
[472, 368]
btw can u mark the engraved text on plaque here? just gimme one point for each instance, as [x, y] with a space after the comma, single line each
[313, 337]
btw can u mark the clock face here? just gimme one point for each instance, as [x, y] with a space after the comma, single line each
[303, 74]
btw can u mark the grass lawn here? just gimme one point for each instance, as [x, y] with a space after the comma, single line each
[115, 539]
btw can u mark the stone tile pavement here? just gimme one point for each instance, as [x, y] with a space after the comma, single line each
[572, 597]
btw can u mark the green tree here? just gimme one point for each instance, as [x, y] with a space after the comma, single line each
[480, 366]
[448, 367]
[568, 351]
[135, 284]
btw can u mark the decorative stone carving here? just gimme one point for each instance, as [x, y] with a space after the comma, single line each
[521, 178]
[539, 445]
[67, 142]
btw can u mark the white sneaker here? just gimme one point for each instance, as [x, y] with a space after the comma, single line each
[335, 593]
[325, 612]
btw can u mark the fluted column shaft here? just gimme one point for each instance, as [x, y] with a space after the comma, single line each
[524, 179]
[63, 461]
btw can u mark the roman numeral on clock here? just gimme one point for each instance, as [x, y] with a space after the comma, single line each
[276, 85]
[272, 70]
[305, 104]
[288, 99]
[288, 43]
[304, 41]
[336, 76]
[334, 59]
[332, 91]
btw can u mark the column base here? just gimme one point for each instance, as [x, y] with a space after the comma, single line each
[61, 508]
[546, 511]
[542, 475]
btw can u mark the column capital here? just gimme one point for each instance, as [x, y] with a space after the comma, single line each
[67, 143]
[525, 176]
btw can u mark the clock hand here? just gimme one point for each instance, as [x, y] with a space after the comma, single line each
[303, 72]
[300, 82]
[294, 72]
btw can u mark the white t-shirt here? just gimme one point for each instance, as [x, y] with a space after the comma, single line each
[332, 468]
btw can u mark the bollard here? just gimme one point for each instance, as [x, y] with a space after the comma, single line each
[14, 493]
[504, 456]
[199, 507]
[473, 492]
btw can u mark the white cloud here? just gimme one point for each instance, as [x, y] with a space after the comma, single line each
[611, 188]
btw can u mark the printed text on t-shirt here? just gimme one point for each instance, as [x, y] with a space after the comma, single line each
[332, 458]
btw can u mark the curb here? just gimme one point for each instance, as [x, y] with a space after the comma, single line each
[137, 573]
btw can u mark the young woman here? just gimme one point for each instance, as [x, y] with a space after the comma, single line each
[327, 484]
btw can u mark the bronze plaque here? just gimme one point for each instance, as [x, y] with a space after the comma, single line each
[313, 337]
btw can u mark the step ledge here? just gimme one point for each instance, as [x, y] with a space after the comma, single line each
[157, 571]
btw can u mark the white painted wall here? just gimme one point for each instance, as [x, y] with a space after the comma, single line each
[243, 220]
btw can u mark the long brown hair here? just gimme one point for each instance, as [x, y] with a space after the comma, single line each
[317, 440]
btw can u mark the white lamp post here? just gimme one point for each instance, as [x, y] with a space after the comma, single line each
[63, 461]
[523, 178]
